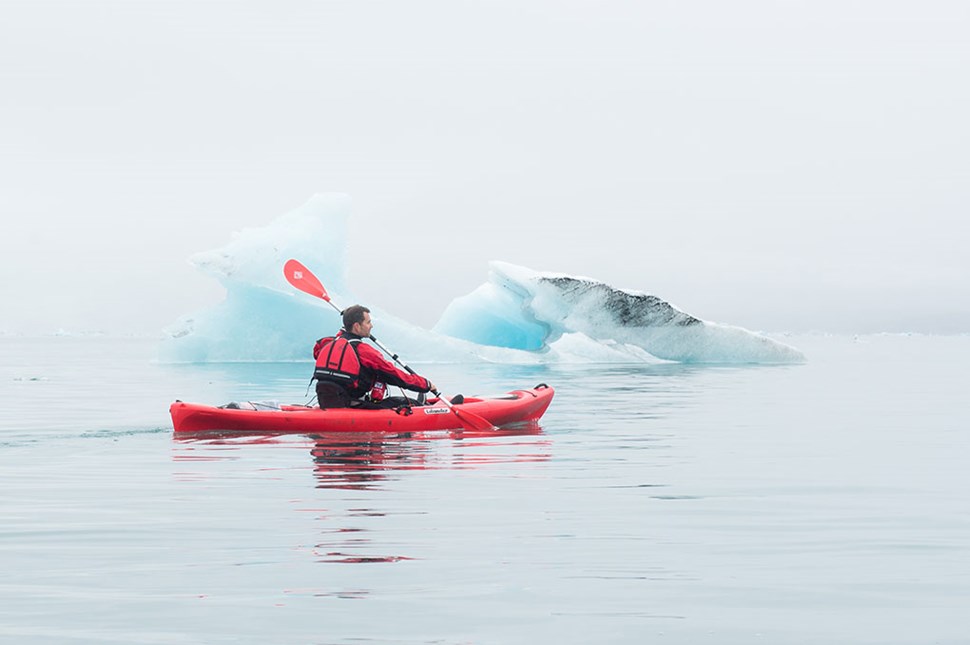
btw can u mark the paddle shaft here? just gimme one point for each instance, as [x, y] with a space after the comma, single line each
[406, 368]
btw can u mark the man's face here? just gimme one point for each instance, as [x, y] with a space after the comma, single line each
[364, 327]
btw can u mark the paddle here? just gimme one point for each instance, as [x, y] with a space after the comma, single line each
[303, 279]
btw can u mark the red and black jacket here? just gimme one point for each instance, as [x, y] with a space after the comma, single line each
[373, 367]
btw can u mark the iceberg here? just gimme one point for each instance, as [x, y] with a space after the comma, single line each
[519, 316]
[529, 310]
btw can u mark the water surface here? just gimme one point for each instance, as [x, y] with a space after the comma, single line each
[816, 503]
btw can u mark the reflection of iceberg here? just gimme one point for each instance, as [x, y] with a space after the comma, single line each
[518, 316]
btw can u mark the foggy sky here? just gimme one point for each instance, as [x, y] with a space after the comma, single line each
[775, 165]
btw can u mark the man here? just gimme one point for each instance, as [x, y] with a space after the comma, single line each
[351, 373]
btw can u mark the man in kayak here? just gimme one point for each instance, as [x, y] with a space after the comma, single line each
[352, 373]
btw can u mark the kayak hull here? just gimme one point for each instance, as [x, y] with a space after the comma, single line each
[517, 408]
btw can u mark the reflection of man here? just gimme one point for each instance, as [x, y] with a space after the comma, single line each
[359, 465]
[351, 373]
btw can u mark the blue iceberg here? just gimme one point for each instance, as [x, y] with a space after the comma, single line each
[518, 315]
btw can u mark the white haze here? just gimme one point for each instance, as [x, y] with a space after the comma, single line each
[778, 166]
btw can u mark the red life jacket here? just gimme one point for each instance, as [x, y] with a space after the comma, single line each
[337, 361]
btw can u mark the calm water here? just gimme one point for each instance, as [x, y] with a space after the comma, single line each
[819, 503]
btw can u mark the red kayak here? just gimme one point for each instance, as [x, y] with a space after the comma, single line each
[517, 408]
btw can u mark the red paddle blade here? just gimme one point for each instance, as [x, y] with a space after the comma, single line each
[472, 421]
[304, 280]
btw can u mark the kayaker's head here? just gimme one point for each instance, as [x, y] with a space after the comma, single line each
[357, 320]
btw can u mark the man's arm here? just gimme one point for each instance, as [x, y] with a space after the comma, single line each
[387, 372]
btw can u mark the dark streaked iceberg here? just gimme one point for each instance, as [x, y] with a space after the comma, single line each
[524, 309]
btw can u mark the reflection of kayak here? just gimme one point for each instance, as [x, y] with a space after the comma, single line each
[519, 407]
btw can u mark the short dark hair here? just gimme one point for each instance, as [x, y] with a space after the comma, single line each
[354, 314]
